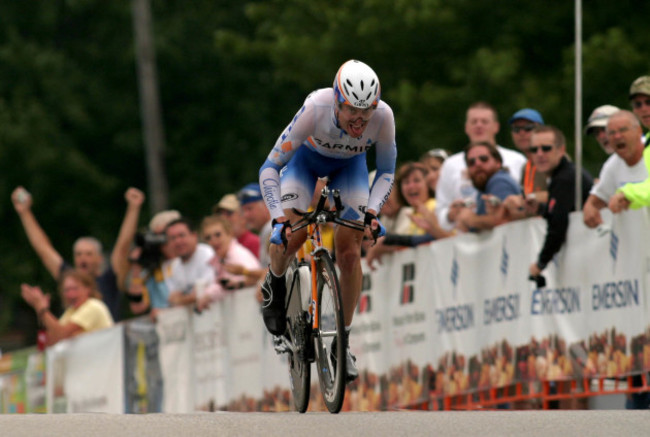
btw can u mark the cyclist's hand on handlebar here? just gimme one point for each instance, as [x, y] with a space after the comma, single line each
[376, 228]
[281, 231]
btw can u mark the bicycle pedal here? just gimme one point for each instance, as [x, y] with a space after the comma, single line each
[280, 345]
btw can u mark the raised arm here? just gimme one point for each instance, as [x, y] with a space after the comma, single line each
[37, 237]
[120, 255]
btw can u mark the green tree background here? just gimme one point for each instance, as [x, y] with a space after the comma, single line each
[232, 74]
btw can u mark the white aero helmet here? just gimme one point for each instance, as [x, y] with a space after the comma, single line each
[356, 84]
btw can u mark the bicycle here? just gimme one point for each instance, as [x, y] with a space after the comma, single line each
[315, 324]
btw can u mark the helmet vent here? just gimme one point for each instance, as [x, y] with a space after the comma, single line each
[361, 85]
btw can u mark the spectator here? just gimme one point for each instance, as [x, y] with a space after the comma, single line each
[413, 192]
[151, 266]
[454, 185]
[522, 124]
[258, 219]
[85, 312]
[638, 194]
[433, 159]
[548, 147]
[640, 101]
[191, 271]
[216, 231]
[229, 208]
[88, 255]
[493, 183]
[597, 126]
[624, 166]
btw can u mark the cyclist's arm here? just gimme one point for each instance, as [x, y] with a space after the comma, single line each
[297, 132]
[386, 157]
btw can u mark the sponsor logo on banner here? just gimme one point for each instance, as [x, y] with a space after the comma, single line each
[454, 271]
[365, 300]
[408, 278]
[613, 248]
[503, 266]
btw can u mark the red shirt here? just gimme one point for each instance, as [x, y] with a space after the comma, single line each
[251, 242]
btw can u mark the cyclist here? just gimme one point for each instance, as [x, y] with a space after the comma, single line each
[329, 137]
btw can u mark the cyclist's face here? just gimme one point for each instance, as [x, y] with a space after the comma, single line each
[354, 120]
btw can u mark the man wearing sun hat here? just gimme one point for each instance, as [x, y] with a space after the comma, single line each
[229, 208]
[597, 126]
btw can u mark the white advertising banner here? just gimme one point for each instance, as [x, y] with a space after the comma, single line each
[456, 316]
[247, 344]
[85, 374]
[175, 356]
[211, 367]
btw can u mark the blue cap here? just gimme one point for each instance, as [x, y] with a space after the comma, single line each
[250, 193]
[527, 114]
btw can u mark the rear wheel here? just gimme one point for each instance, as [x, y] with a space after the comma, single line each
[331, 326]
[298, 332]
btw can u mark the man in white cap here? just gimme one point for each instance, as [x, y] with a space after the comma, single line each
[597, 126]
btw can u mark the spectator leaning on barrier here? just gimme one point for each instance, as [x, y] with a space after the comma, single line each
[638, 194]
[216, 231]
[191, 271]
[84, 311]
[597, 126]
[494, 184]
[454, 185]
[625, 166]
[88, 255]
[548, 148]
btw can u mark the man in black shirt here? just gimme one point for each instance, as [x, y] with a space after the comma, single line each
[548, 151]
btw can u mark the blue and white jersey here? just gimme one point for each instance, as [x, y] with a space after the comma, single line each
[315, 128]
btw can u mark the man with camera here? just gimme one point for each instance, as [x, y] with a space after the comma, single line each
[151, 260]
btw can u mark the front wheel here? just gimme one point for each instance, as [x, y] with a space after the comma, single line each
[330, 334]
[298, 332]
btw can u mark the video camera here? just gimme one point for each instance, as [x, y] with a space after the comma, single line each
[151, 256]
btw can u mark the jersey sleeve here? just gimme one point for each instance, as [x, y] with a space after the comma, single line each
[296, 133]
[386, 155]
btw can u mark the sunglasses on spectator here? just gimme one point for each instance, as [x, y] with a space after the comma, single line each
[526, 128]
[545, 148]
[639, 103]
[472, 161]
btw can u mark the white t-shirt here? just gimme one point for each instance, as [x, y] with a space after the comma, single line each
[185, 275]
[454, 182]
[616, 173]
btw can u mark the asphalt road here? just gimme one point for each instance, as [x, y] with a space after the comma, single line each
[473, 423]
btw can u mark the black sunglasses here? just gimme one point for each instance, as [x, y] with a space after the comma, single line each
[482, 158]
[527, 128]
[545, 148]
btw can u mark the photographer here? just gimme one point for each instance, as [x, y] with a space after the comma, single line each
[150, 266]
